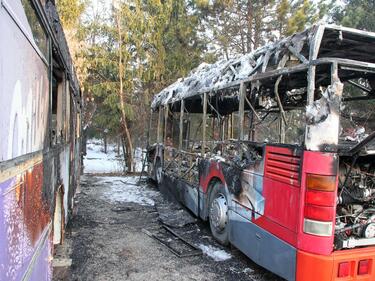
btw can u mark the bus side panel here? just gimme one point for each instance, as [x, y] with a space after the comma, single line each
[175, 188]
[24, 91]
[209, 170]
[24, 228]
[281, 192]
[262, 247]
[42, 270]
[11, 230]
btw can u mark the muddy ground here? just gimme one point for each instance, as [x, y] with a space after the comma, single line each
[110, 238]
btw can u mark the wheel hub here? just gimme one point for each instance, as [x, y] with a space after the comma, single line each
[219, 212]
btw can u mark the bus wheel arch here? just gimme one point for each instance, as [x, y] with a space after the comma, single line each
[58, 222]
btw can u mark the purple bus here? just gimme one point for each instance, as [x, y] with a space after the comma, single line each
[40, 131]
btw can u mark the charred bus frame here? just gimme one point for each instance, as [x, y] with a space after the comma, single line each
[297, 192]
[39, 138]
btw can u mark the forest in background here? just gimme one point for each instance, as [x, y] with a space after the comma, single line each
[125, 51]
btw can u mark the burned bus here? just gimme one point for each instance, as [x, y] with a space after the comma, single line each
[39, 137]
[276, 150]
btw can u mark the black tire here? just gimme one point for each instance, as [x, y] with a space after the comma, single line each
[218, 204]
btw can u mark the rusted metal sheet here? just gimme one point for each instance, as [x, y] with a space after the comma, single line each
[25, 217]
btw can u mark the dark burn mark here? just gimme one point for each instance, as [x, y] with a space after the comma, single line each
[232, 177]
[327, 147]
[204, 168]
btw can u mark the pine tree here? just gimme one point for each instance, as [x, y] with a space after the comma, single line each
[357, 14]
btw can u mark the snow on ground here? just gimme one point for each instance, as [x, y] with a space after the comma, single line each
[96, 161]
[126, 189]
[215, 253]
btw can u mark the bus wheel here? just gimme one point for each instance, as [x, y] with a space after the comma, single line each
[218, 214]
[158, 171]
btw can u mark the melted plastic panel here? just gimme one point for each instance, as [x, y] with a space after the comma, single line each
[324, 116]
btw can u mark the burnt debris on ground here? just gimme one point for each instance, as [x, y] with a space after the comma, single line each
[109, 238]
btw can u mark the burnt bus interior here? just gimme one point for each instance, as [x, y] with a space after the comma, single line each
[313, 91]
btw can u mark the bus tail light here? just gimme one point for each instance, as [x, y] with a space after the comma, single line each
[327, 199]
[321, 183]
[363, 267]
[344, 269]
[320, 228]
[319, 212]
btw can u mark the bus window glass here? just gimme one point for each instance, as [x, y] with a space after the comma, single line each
[57, 130]
[295, 128]
[38, 32]
[67, 113]
[154, 127]
[175, 129]
[357, 118]
[267, 129]
[236, 125]
[194, 135]
[247, 125]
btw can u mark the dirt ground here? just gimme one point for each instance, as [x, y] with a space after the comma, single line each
[111, 238]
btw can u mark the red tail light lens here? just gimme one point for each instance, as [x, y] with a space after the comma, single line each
[344, 269]
[363, 267]
[319, 213]
[327, 199]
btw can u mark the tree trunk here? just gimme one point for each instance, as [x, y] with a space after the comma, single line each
[126, 133]
[123, 149]
[249, 25]
[129, 148]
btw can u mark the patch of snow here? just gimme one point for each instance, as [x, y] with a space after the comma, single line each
[139, 156]
[105, 166]
[248, 270]
[125, 189]
[96, 161]
[215, 253]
